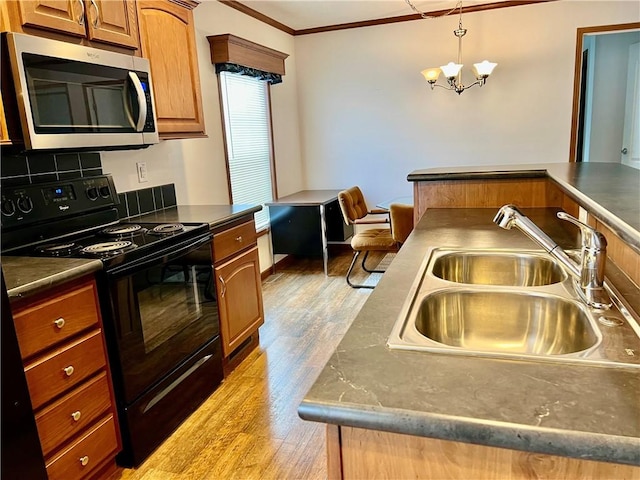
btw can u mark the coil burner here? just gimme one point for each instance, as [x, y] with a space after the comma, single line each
[108, 248]
[123, 230]
[168, 228]
[59, 249]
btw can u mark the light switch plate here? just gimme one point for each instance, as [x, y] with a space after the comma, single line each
[142, 171]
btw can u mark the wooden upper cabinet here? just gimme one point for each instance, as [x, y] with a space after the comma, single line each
[167, 40]
[110, 22]
[65, 16]
[113, 21]
[4, 133]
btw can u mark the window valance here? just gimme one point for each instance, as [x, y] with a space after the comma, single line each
[234, 54]
[272, 78]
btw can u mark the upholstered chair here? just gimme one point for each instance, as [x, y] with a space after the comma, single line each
[355, 212]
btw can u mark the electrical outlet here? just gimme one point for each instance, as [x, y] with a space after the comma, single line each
[142, 171]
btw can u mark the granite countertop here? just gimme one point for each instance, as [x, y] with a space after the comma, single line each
[26, 276]
[215, 215]
[610, 191]
[575, 410]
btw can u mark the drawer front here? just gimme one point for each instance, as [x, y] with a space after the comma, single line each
[86, 454]
[52, 321]
[233, 240]
[73, 413]
[53, 374]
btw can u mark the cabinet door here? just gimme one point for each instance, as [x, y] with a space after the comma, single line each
[239, 298]
[167, 39]
[66, 16]
[4, 133]
[113, 21]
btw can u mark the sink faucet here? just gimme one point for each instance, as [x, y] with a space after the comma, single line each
[589, 274]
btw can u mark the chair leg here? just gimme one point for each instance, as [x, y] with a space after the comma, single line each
[364, 259]
[353, 262]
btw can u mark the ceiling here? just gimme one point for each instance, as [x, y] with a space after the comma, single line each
[307, 14]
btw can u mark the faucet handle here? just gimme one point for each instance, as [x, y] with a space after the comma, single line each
[591, 238]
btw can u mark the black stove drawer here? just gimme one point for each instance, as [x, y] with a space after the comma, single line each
[152, 418]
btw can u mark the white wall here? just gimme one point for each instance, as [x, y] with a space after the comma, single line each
[610, 92]
[197, 166]
[367, 116]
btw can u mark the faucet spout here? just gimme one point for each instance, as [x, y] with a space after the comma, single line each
[589, 274]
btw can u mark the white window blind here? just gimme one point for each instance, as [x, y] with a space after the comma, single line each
[247, 126]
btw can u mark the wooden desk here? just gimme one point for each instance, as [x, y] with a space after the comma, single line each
[305, 222]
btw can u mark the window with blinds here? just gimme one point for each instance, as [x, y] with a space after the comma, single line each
[247, 119]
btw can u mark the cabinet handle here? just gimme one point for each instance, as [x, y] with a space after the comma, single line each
[96, 19]
[224, 286]
[76, 415]
[84, 460]
[81, 17]
[69, 370]
[239, 238]
[59, 322]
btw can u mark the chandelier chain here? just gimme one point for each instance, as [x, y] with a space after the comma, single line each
[424, 15]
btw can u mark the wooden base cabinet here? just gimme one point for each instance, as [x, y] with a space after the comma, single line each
[238, 285]
[356, 453]
[65, 363]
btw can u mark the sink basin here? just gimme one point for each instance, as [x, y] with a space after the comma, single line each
[510, 304]
[506, 322]
[505, 268]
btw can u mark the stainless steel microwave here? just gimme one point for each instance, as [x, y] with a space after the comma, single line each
[72, 96]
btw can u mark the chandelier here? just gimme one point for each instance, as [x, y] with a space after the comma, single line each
[453, 71]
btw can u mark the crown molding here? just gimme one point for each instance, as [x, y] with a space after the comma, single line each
[369, 23]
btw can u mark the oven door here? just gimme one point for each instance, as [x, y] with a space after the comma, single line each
[163, 308]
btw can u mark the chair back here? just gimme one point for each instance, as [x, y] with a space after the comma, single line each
[401, 221]
[352, 204]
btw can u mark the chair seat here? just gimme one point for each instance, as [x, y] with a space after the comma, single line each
[377, 239]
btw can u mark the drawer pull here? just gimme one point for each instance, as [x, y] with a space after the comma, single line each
[59, 322]
[239, 238]
[76, 415]
[84, 460]
[68, 370]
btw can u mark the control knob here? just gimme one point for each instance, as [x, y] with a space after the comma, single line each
[25, 204]
[105, 191]
[92, 193]
[7, 207]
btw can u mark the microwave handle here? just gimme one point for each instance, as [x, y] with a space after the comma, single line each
[142, 101]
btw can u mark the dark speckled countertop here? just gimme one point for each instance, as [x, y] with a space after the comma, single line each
[25, 276]
[575, 410]
[610, 191]
[216, 216]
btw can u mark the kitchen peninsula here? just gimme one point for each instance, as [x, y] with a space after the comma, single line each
[427, 415]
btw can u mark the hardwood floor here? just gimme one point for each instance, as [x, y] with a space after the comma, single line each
[249, 427]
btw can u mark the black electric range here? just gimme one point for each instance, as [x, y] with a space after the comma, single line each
[157, 298]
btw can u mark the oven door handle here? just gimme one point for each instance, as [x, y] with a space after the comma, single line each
[161, 257]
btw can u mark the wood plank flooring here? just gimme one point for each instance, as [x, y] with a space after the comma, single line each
[249, 427]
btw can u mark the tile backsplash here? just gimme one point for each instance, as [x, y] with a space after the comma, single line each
[48, 167]
[146, 200]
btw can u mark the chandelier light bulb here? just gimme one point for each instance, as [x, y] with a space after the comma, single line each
[484, 68]
[451, 69]
[431, 74]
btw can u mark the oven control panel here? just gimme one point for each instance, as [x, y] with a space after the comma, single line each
[27, 204]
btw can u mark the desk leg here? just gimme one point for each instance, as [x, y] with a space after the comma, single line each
[325, 247]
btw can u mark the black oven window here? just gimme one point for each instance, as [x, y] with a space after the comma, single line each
[172, 298]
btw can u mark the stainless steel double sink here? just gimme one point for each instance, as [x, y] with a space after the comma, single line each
[516, 304]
